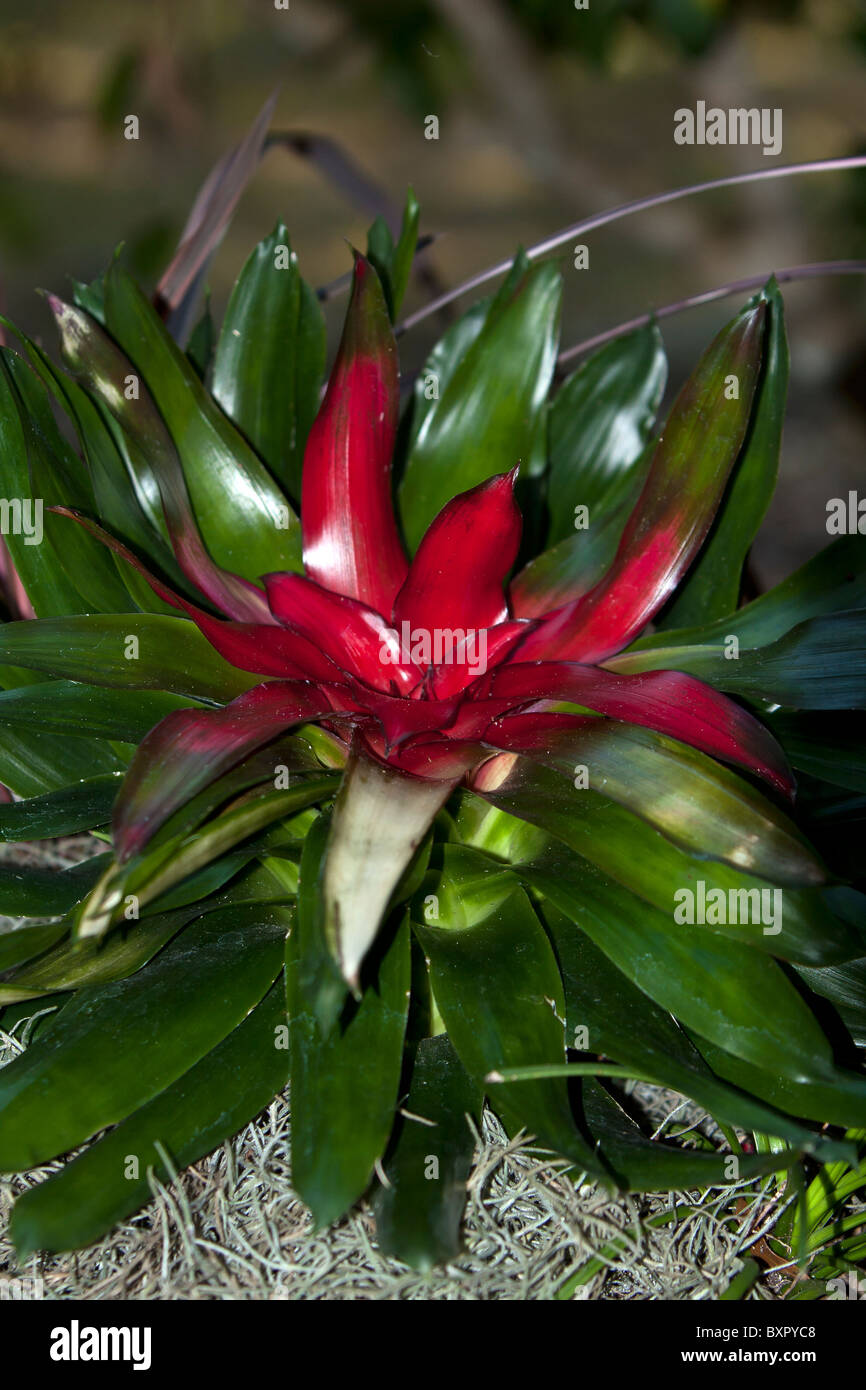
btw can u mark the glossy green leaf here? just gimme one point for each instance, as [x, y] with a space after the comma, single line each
[643, 861]
[393, 261]
[33, 763]
[25, 943]
[74, 965]
[599, 423]
[820, 664]
[497, 986]
[208, 1104]
[712, 588]
[114, 1047]
[68, 811]
[418, 1211]
[839, 1100]
[845, 987]
[703, 807]
[36, 892]
[245, 521]
[645, 1165]
[606, 1013]
[167, 653]
[43, 576]
[737, 996]
[61, 707]
[270, 359]
[345, 1076]
[490, 413]
[158, 869]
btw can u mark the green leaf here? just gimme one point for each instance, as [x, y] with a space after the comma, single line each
[114, 1047]
[169, 654]
[845, 987]
[643, 861]
[393, 263]
[270, 358]
[820, 664]
[490, 414]
[25, 943]
[245, 521]
[67, 707]
[839, 1100]
[704, 807]
[45, 581]
[344, 1077]
[418, 1212]
[208, 1104]
[34, 892]
[68, 811]
[737, 996]
[48, 474]
[159, 868]
[599, 423]
[33, 763]
[497, 986]
[606, 1013]
[73, 965]
[644, 1165]
[712, 588]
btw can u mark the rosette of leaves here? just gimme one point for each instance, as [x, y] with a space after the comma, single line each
[398, 876]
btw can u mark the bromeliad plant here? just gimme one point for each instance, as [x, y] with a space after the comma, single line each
[406, 805]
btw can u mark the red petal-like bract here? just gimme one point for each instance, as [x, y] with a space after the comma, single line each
[668, 702]
[355, 636]
[456, 578]
[191, 748]
[351, 542]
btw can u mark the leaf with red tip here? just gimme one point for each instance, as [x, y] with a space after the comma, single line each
[666, 701]
[456, 578]
[690, 467]
[694, 802]
[265, 648]
[95, 361]
[189, 749]
[351, 542]
[353, 635]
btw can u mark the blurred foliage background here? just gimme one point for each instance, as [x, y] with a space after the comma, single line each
[546, 113]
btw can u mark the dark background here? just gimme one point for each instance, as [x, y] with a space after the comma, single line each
[546, 114]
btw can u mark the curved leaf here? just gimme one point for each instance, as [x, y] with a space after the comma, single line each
[598, 425]
[115, 1047]
[270, 357]
[489, 416]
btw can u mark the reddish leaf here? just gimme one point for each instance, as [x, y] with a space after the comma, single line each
[690, 467]
[99, 365]
[189, 749]
[351, 542]
[666, 701]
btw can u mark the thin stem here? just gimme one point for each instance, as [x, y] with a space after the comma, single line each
[601, 219]
[751, 282]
